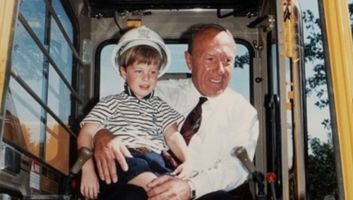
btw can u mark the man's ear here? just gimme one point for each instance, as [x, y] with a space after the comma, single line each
[122, 71]
[188, 59]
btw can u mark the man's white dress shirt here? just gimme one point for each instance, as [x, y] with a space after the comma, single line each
[228, 121]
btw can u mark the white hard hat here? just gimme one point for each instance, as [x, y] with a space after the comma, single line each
[142, 36]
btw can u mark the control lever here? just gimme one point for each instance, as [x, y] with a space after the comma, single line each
[258, 177]
[242, 155]
[70, 186]
[84, 154]
[271, 178]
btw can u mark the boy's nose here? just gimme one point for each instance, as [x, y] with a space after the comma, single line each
[145, 76]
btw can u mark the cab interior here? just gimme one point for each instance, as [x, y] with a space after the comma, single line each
[252, 23]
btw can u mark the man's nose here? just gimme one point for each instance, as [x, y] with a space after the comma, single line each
[220, 68]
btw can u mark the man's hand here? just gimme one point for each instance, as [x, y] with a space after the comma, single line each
[168, 188]
[107, 148]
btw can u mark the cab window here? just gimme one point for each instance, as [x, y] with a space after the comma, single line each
[40, 81]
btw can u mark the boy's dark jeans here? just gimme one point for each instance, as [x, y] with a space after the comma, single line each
[139, 163]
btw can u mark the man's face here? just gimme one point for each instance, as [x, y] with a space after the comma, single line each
[211, 61]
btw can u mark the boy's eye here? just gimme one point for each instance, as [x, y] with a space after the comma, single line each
[138, 71]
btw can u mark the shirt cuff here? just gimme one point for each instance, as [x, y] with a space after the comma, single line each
[192, 190]
[200, 188]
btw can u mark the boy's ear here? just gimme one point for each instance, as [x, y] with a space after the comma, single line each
[122, 71]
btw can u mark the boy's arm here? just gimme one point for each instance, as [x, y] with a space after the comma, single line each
[89, 186]
[85, 139]
[87, 132]
[176, 142]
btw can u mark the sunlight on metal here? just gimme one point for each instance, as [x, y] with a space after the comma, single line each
[133, 23]
[197, 9]
[7, 16]
[340, 51]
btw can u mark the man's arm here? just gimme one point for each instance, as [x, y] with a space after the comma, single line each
[107, 148]
[228, 172]
[174, 188]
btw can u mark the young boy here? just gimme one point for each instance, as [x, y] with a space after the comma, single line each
[143, 122]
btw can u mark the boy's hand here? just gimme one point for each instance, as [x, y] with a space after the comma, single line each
[183, 171]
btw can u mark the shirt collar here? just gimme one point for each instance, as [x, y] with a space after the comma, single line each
[194, 95]
[129, 92]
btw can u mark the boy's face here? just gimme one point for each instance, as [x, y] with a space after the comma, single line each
[140, 77]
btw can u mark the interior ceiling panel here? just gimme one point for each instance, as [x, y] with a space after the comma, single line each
[106, 8]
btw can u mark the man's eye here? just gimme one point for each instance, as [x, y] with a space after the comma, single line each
[229, 61]
[210, 59]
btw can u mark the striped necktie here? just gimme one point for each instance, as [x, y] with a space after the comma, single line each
[190, 127]
[193, 121]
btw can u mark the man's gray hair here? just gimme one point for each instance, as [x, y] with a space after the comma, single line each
[194, 30]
